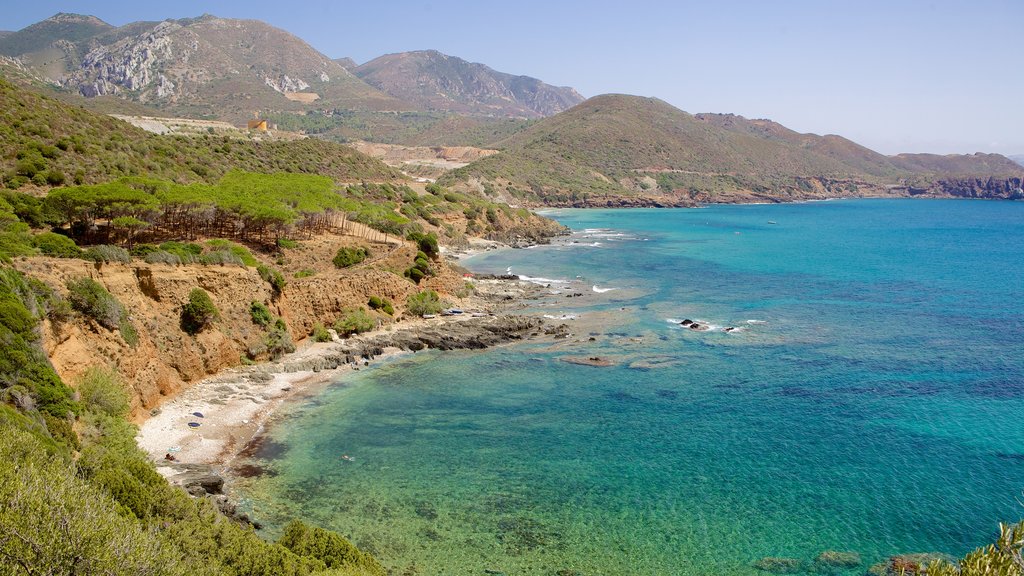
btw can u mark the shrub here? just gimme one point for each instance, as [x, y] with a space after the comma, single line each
[382, 304]
[355, 321]
[187, 252]
[427, 243]
[92, 299]
[274, 277]
[320, 334]
[278, 341]
[425, 302]
[199, 312]
[104, 253]
[260, 314]
[420, 268]
[305, 273]
[242, 252]
[222, 257]
[102, 391]
[162, 257]
[56, 245]
[350, 256]
[287, 243]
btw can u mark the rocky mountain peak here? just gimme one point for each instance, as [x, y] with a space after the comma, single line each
[438, 81]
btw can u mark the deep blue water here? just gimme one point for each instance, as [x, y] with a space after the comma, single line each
[871, 401]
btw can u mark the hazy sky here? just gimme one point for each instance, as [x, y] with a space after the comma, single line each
[896, 75]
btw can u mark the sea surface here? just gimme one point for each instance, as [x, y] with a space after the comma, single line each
[870, 399]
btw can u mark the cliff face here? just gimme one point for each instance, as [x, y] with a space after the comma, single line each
[988, 188]
[166, 359]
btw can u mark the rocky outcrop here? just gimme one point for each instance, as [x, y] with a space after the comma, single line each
[437, 81]
[131, 64]
[987, 188]
[471, 334]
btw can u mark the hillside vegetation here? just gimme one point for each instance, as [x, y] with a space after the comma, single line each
[79, 496]
[46, 142]
[621, 150]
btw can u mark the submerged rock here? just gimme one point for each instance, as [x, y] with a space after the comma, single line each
[906, 564]
[838, 559]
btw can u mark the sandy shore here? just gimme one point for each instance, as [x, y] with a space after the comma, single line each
[236, 404]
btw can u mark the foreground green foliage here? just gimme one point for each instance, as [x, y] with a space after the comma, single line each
[328, 547]
[107, 511]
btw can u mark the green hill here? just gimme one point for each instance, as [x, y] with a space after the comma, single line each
[46, 142]
[628, 150]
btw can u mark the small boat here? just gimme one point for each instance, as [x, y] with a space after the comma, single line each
[772, 222]
[429, 316]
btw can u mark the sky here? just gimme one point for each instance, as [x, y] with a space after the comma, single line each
[896, 76]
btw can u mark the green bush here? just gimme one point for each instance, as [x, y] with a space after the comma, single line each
[382, 304]
[222, 257]
[305, 273]
[425, 302]
[187, 252]
[350, 256]
[56, 245]
[260, 314]
[92, 299]
[273, 277]
[320, 334]
[278, 341]
[427, 243]
[101, 390]
[162, 257]
[243, 253]
[420, 268]
[198, 313]
[355, 321]
[287, 243]
[24, 368]
[104, 253]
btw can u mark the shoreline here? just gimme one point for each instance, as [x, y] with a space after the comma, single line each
[208, 425]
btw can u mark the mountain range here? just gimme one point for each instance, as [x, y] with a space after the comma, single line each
[627, 150]
[229, 69]
[555, 147]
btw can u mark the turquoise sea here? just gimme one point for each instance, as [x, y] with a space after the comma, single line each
[871, 401]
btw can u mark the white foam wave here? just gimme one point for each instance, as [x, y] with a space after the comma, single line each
[561, 316]
[757, 321]
[601, 290]
[541, 281]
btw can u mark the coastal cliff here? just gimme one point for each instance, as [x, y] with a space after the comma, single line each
[165, 359]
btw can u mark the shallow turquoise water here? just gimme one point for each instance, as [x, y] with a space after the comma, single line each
[874, 406]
